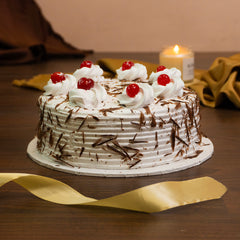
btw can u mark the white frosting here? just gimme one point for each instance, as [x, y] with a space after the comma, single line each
[61, 88]
[172, 89]
[93, 71]
[152, 143]
[142, 99]
[136, 71]
[91, 98]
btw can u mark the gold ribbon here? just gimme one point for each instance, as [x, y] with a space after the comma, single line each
[152, 198]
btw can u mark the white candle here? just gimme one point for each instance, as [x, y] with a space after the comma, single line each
[181, 58]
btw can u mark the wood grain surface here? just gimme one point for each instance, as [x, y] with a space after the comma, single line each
[23, 216]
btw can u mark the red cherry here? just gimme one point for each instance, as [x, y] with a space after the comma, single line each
[127, 65]
[163, 79]
[85, 83]
[86, 63]
[132, 90]
[57, 77]
[161, 68]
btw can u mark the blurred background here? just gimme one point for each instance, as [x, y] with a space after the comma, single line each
[146, 25]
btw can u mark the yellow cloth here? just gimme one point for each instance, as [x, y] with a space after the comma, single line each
[215, 86]
[152, 198]
[220, 83]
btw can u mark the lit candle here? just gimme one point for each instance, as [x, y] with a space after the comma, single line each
[181, 58]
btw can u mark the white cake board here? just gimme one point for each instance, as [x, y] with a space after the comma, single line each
[167, 168]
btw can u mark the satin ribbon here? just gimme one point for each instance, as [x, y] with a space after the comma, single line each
[152, 198]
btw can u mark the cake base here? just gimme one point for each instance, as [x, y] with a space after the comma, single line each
[158, 170]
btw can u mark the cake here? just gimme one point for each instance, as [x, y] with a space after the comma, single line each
[131, 125]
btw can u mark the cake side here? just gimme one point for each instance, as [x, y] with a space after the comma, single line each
[115, 137]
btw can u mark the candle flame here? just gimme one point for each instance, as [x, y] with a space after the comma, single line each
[176, 49]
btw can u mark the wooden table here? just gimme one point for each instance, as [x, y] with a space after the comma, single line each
[23, 216]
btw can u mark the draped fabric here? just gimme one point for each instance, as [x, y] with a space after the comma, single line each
[26, 36]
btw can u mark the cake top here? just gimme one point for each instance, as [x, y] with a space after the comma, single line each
[88, 89]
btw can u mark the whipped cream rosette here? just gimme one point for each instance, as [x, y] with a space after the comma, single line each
[89, 94]
[136, 95]
[167, 83]
[132, 71]
[60, 84]
[89, 70]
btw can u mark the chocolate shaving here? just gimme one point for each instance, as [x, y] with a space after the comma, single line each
[116, 150]
[156, 140]
[58, 158]
[136, 124]
[104, 111]
[134, 137]
[78, 118]
[153, 121]
[172, 138]
[147, 109]
[83, 137]
[136, 141]
[178, 105]
[60, 104]
[51, 138]
[69, 116]
[141, 120]
[83, 121]
[44, 106]
[187, 129]
[180, 152]
[115, 142]
[190, 114]
[134, 164]
[52, 97]
[59, 139]
[81, 152]
[97, 157]
[121, 120]
[49, 117]
[91, 127]
[95, 118]
[174, 122]
[131, 148]
[58, 122]
[198, 152]
[167, 154]
[181, 140]
[101, 141]
[61, 148]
